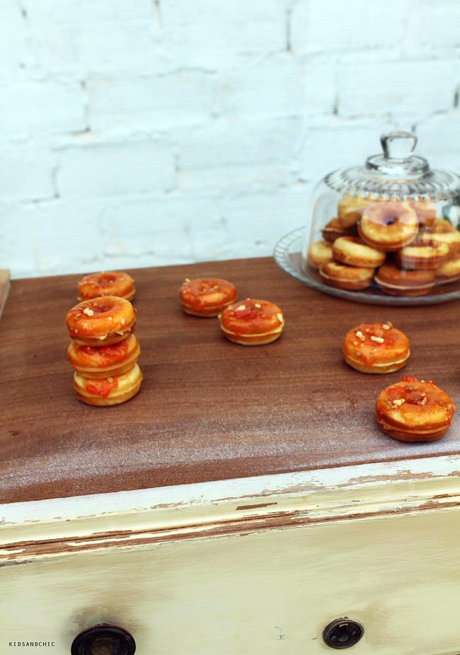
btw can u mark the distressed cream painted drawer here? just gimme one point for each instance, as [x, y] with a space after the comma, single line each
[258, 565]
[243, 500]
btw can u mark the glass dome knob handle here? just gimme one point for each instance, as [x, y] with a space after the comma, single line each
[398, 145]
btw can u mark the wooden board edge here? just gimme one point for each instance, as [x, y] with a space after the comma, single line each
[232, 507]
[5, 285]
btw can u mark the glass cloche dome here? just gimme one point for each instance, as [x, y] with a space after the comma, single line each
[388, 228]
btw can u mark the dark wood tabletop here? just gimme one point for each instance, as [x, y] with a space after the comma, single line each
[208, 409]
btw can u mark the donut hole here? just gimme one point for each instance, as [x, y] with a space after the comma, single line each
[101, 307]
[390, 219]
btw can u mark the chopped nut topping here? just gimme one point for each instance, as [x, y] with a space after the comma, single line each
[187, 280]
[88, 311]
[378, 339]
[109, 379]
[387, 326]
[257, 305]
[423, 401]
[360, 335]
[280, 317]
[240, 308]
[398, 402]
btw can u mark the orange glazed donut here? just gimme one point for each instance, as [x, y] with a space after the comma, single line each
[319, 253]
[448, 238]
[376, 348]
[252, 322]
[388, 225]
[354, 252]
[350, 209]
[422, 257]
[396, 282]
[207, 296]
[448, 272]
[341, 276]
[109, 391]
[104, 361]
[101, 321]
[334, 229]
[414, 411]
[426, 212]
[106, 284]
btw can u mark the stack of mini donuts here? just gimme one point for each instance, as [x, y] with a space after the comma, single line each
[400, 245]
[103, 350]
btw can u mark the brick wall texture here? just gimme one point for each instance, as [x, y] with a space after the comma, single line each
[150, 132]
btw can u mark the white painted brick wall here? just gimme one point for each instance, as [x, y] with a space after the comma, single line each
[149, 132]
[125, 168]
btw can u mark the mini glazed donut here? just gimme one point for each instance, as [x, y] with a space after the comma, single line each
[397, 282]
[376, 348]
[354, 252]
[334, 229]
[350, 209]
[414, 410]
[426, 212]
[252, 322]
[341, 276]
[101, 321]
[422, 257]
[109, 391]
[106, 284]
[388, 225]
[319, 253]
[207, 296]
[441, 226]
[451, 239]
[104, 361]
[448, 272]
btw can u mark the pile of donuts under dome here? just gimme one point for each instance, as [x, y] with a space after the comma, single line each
[389, 228]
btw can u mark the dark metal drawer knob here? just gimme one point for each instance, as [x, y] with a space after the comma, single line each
[103, 639]
[343, 633]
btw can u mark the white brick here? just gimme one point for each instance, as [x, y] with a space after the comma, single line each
[438, 139]
[253, 224]
[219, 181]
[13, 50]
[28, 108]
[334, 26]
[67, 235]
[279, 87]
[211, 34]
[81, 12]
[150, 103]
[26, 171]
[176, 230]
[258, 142]
[339, 144]
[434, 27]
[16, 247]
[414, 88]
[124, 168]
[91, 48]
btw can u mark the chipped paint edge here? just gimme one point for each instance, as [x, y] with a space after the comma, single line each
[143, 517]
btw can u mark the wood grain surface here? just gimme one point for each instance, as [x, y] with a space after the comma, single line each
[208, 409]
